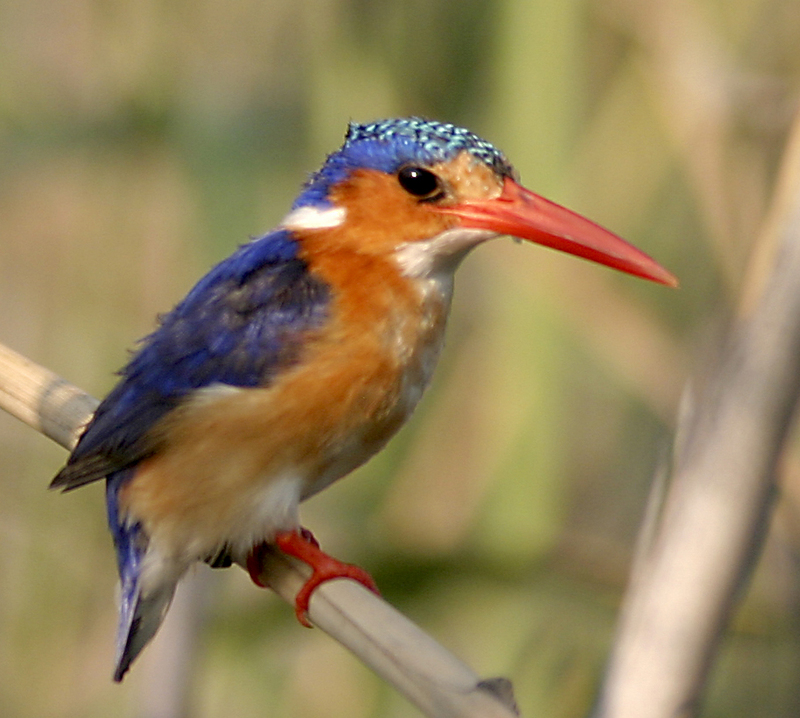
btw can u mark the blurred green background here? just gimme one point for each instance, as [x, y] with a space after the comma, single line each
[142, 140]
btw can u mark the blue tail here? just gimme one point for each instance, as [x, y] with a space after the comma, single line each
[140, 614]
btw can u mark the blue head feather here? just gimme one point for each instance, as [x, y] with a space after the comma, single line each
[388, 145]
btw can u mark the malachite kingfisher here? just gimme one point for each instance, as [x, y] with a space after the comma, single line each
[295, 359]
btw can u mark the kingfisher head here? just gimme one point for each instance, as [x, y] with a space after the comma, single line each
[424, 193]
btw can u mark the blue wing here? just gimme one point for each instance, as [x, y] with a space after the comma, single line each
[243, 323]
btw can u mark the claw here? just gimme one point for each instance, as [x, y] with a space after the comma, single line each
[302, 545]
[254, 563]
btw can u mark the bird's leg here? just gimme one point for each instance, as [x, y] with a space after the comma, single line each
[302, 545]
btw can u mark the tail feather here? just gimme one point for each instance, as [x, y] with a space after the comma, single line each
[142, 607]
[139, 618]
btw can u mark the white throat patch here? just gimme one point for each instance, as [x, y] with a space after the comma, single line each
[442, 252]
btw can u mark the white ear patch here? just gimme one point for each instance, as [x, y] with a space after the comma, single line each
[314, 218]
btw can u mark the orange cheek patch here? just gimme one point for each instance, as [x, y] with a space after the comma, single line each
[380, 215]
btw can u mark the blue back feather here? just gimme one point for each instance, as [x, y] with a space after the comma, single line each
[240, 325]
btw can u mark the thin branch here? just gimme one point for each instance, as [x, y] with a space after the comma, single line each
[717, 508]
[434, 680]
[42, 399]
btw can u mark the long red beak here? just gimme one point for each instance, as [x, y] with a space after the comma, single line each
[521, 213]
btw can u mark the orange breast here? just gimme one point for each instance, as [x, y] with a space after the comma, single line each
[358, 380]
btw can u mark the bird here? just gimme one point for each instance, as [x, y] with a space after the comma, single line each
[295, 359]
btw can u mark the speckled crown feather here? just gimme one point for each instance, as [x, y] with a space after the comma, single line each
[439, 140]
[387, 145]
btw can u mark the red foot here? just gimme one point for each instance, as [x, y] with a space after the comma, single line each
[302, 545]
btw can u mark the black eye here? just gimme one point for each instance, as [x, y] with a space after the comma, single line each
[419, 182]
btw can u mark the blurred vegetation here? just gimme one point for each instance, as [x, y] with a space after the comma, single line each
[142, 140]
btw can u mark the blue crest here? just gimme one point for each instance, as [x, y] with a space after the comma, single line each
[387, 145]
